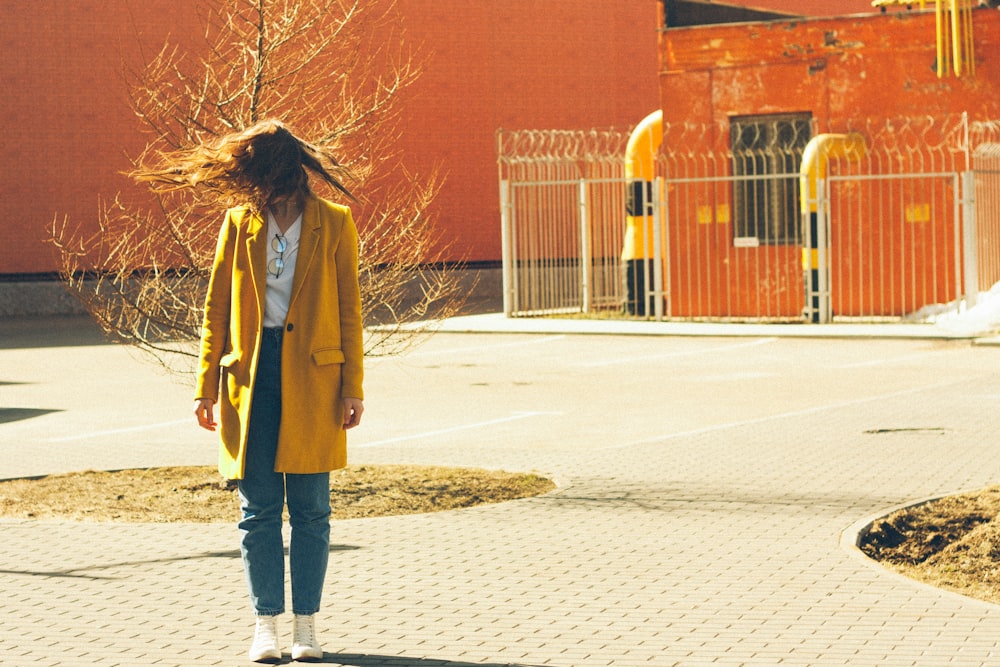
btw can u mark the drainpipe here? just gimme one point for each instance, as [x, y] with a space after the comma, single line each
[816, 217]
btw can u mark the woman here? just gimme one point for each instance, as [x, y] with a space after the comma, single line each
[281, 355]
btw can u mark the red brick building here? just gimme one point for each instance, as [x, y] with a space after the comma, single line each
[516, 64]
[559, 64]
[739, 77]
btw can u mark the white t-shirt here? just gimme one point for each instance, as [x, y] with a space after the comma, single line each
[279, 288]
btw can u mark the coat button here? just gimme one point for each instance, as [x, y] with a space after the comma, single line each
[289, 327]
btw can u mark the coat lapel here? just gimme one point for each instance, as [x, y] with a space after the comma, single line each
[257, 252]
[308, 242]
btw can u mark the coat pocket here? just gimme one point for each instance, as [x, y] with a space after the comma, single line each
[327, 356]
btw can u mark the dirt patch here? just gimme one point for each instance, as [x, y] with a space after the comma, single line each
[199, 494]
[952, 543]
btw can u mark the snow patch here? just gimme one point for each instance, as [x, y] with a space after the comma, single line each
[982, 318]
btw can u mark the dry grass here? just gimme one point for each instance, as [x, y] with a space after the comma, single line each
[952, 543]
[198, 494]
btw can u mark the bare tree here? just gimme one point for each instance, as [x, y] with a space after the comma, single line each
[334, 71]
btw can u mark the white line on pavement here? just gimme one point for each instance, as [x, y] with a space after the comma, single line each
[462, 427]
[132, 429]
[614, 361]
[479, 348]
[921, 356]
[780, 415]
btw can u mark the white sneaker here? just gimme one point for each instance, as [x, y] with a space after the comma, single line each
[265, 640]
[305, 647]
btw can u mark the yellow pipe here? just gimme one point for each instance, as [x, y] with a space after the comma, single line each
[970, 42]
[815, 162]
[816, 157]
[640, 159]
[942, 56]
[956, 38]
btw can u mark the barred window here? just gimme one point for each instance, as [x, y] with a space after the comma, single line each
[767, 151]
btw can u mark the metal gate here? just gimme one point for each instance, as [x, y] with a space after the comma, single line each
[905, 234]
[737, 225]
[562, 197]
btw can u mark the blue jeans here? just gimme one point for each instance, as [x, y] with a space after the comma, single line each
[262, 498]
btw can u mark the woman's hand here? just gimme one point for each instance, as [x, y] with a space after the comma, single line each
[204, 409]
[353, 407]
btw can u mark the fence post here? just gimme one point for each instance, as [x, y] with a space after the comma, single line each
[823, 251]
[584, 248]
[507, 251]
[656, 238]
[970, 246]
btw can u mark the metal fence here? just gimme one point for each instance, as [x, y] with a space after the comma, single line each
[562, 197]
[905, 231]
[986, 190]
[739, 225]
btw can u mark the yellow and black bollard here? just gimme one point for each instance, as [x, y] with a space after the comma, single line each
[640, 237]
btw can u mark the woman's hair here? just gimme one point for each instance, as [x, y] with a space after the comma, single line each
[262, 165]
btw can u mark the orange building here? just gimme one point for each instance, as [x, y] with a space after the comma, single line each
[798, 78]
[516, 64]
[523, 64]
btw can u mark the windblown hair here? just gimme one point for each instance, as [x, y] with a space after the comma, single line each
[262, 165]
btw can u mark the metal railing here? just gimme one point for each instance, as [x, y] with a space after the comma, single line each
[909, 223]
[986, 191]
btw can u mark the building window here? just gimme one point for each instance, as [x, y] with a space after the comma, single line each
[767, 151]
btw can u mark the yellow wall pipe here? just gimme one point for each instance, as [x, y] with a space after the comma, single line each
[942, 53]
[815, 163]
[970, 42]
[956, 38]
[816, 157]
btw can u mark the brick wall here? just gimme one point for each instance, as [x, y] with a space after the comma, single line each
[517, 64]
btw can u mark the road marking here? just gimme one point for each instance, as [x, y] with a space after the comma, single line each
[780, 415]
[667, 355]
[453, 429]
[479, 348]
[116, 431]
[920, 356]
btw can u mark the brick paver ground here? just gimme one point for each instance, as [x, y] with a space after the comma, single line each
[709, 488]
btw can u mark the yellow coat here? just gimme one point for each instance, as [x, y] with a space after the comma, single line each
[322, 352]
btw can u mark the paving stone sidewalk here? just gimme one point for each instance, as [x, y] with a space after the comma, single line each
[709, 491]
